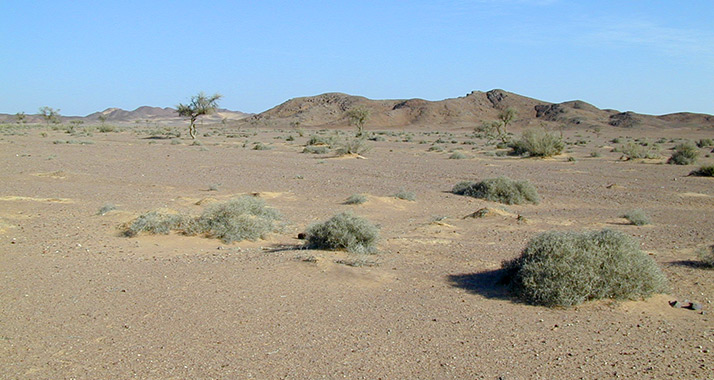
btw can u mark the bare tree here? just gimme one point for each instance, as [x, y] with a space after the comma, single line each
[200, 104]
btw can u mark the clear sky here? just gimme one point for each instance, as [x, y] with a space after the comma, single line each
[649, 56]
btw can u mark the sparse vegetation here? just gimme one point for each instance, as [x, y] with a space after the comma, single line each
[705, 143]
[684, 154]
[500, 189]
[344, 231]
[537, 142]
[358, 117]
[631, 151]
[706, 256]
[316, 149]
[569, 268]
[244, 218]
[704, 171]
[356, 199]
[458, 155]
[405, 195]
[200, 104]
[106, 208]
[637, 217]
[50, 115]
[357, 145]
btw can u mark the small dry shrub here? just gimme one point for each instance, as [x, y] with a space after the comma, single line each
[244, 218]
[357, 145]
[537, 142]
[637, 217]
[706, 256]
[499, 189]
[356, 199]
[569, 268]
[458, 156]
[631, 151]
[344, 231]
[684, 154]
[405, 195]
[704, 171]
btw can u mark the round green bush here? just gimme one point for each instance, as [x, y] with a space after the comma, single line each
[569, 268]
[344, 231]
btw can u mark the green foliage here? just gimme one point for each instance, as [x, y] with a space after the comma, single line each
[316, 149]
[50, 114]
[153, 222]
[357, 145]
[705, 143]
[637, 217]
[537, 142]
[684, 154]
[321, 140]
[569, 268]
[499, 189]
[706, 256]
[106, 208]
[631, 151]
[358, 117]
[356, 199]
[244, 218]
[344, 231]
[405, 195]
[704, 171]
[200, 104]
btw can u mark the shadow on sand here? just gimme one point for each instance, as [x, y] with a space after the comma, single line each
[690, 264]
[490, 284]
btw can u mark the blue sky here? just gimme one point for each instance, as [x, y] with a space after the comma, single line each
[84, 56]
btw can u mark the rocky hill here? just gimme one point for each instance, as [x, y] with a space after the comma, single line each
[328, 110]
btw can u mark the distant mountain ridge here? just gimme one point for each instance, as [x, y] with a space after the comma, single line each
[328, 111]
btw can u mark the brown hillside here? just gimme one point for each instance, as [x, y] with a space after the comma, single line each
[328, 111]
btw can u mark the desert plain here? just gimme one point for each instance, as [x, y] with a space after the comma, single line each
[80, 301]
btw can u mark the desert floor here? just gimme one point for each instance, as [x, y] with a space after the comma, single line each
[80, 301]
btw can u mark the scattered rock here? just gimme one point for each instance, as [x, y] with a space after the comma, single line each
[695, 306]
[676, 304]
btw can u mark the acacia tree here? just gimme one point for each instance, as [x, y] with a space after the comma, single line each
[50, 114]
[506, 116]
[20, 116]
[358, 117]
[200, 104]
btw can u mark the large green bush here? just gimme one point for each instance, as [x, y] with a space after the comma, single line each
[499, 189]
[568, 268]
[537, 142]
[344, 231]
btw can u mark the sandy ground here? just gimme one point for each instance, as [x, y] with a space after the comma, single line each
[79, 301]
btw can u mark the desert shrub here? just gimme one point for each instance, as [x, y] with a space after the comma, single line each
[684, 154]
[261, 146]
[595, 153]
[344, 231]
[244, 218]
[704, 171]
[316, 149]
[537, 142]
[637, 217]
[705, 143]
[405, 195]
[631, 151]
[706, 256]
[107, 128]
[106, 208]
[458, 156]
[568, 268]
[153, 222]
[320, 140]
[175, 142]
[435, 148]
[356, 145]
[500, 189]
[356, 199]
